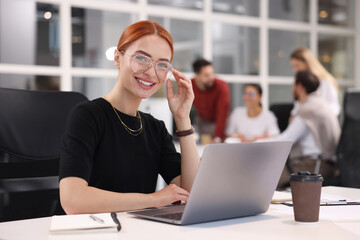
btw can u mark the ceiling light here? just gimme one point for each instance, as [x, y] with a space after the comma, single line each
[47, 15]
[323, 14]
[110, 53]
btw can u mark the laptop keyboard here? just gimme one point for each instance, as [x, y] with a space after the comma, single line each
[173, 216]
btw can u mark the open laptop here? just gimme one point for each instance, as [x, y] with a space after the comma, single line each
[233, 180]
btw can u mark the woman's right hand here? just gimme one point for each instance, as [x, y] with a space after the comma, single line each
[169, 195]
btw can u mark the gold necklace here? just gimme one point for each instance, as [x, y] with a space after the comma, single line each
[129, 130]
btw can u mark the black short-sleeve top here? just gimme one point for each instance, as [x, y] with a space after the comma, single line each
[97, 148]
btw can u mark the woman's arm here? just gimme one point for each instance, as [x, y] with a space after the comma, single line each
[77, 197]
[180, 105]
[231, 124]
[189, 161]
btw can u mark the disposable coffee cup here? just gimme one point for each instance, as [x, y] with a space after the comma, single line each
[306, 192]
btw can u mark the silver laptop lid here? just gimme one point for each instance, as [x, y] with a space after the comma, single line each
[235, 180]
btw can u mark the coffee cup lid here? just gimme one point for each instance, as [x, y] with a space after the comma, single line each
[305, 176]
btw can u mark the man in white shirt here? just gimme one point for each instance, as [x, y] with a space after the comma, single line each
[315, 129]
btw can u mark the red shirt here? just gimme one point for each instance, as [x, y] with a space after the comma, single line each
[213, 105]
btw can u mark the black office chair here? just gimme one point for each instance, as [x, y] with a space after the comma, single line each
[31, 127]
[282, 112]
[348, 151]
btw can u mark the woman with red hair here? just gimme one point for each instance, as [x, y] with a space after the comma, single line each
[111, 152]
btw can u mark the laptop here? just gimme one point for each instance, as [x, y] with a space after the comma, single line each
[233, 180]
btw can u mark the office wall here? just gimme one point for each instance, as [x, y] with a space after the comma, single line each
[248, 40]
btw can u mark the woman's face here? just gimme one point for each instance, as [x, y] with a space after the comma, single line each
[251, 97]
[298, 65]
[145, 84]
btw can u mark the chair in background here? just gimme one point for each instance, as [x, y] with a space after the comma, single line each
[282, 112]
[31, 127]
[348, 151]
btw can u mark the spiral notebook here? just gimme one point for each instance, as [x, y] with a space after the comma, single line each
[85, 223]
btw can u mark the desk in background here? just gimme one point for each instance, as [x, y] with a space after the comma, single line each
[336, 222]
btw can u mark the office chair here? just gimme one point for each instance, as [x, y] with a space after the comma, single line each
[348, 151]
[31, 127]
[282, 112]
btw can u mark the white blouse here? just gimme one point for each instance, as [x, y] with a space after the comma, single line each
[330, 94]
[240, 122]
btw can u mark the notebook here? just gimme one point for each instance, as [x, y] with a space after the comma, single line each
[85, 223]
[281, 197]
[233, 180]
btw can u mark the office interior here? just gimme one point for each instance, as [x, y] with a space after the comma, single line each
[68, 45]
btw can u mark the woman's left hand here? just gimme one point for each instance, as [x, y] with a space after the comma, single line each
[180, 103]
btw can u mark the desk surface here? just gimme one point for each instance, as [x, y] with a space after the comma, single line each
[336, 222]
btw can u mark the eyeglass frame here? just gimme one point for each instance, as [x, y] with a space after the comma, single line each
[151, 63]
[250, 94]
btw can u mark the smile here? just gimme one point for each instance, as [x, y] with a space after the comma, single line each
[145, 84]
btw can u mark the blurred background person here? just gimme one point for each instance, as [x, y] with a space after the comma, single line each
[302, 59]
[212, 102]
[252, 122]
[314, 129]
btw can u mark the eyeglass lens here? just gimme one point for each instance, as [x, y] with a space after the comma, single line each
[141, 63]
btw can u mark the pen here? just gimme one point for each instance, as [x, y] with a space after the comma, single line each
[116, 220]
[339, 202]
[329, 203]
[96, 219]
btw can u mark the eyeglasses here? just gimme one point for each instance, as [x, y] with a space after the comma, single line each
[140, 63]
[249, 94]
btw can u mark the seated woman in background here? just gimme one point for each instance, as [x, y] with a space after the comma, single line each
[250, 123]
[302, 59]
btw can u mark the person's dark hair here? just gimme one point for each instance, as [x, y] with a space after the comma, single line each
[254, 85]
[308, 80]
[200, 63]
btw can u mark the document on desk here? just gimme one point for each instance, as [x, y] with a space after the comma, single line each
[285, 198]
[85, 223]
[342, 214]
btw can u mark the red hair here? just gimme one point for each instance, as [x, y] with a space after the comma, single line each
[141, 29]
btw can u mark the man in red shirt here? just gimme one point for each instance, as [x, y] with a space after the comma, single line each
[212, 101]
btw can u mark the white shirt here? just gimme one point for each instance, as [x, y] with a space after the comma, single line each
[240, 122]
[329, 93]
[297, 131]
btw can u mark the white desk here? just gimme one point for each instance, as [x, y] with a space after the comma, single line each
[336, 222]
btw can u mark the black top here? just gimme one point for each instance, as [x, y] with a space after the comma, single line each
[97, 148]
